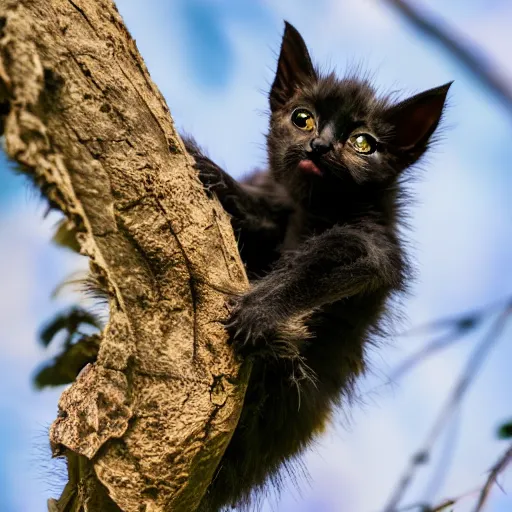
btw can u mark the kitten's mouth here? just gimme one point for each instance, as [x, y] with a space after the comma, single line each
[309, 167]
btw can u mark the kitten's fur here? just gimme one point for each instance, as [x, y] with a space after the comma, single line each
[324, 248]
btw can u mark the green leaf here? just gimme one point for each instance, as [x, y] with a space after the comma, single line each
[69, 321]
[505, 430]
[64, 368]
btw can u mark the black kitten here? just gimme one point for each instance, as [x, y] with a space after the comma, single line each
[318, 235]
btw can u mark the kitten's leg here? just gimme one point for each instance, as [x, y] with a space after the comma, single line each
[251, 208]
[235, 200]
[339, 263]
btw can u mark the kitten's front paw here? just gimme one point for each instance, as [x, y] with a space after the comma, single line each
[251, 328]
[211, 178]
[255, 330]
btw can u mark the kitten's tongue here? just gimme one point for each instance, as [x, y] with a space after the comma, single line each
[309, 167]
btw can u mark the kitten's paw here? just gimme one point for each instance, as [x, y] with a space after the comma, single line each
[255, 331]
[251, 329]
[211, 176]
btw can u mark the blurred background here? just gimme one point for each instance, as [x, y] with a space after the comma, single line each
[214, 61]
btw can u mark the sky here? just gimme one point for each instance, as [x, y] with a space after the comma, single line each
[214, 60]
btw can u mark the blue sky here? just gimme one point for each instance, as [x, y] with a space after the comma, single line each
[214, 60]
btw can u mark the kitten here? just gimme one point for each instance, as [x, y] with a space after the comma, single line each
[318, 235]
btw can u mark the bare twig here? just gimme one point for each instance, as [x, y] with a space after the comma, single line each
[446, 457]
[428, 350]
[459, 326]
[461, 321]
[444, 505]
[468, 376]
[455, 44]
[425, 507]
[498, 468]
[483, 492]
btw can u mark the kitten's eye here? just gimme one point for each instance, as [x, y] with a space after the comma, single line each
[363, 143]
[303, 119]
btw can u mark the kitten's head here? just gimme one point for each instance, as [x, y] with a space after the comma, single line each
[337, 131]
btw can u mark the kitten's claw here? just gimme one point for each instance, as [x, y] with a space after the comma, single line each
[248, 326]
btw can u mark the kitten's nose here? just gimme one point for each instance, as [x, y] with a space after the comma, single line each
[320, 146]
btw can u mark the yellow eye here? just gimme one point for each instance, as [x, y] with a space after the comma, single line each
[363, 143]
[303, 119]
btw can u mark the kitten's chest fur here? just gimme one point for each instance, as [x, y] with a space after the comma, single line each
[317, 210]
[292, 222]
[302, 225]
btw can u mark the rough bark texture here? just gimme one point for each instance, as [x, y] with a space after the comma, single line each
[83, 118]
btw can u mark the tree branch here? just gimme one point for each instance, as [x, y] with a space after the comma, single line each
[457, 394]
[82, 117]
[498, 468]
[479, 66]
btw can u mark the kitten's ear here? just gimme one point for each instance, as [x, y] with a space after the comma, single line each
[415, 119]
[294, 67]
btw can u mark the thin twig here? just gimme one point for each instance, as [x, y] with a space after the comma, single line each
[425, 507]
[428, 350]
[469, 374]
[459, 325]
[446, 457]
[461, 321]
[441, 507]
[483, 491]
[499, 467]
[480, 66]
[444, 505]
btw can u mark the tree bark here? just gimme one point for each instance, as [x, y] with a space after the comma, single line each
[145, 426]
